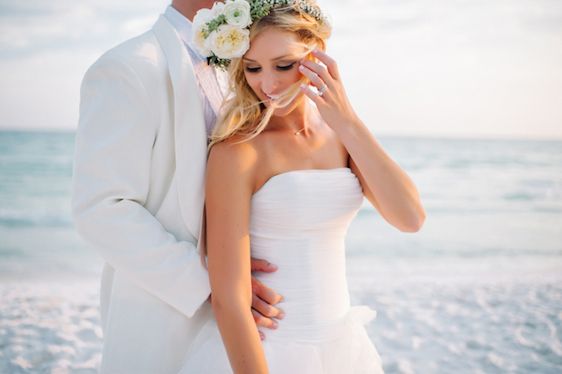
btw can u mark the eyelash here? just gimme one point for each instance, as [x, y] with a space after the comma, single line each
[282, 68]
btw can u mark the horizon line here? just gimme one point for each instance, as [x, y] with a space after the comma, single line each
[436, 136]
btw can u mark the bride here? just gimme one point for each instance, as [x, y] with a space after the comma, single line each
[289, 165]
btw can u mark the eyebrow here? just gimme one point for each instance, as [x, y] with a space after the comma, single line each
[273, 59]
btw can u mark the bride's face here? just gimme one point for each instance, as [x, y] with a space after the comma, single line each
[271, 66]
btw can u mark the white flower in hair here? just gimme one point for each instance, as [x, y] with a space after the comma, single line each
[237, 13]
[199, 34]
[222, 33]
[229, 41]
[203, 16]
[218, 8]
[200, 42]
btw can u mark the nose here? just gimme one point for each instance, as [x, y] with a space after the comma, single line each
[269, 84]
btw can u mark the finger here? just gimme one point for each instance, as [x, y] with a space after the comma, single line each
[330, 63]
[263, 321]
[265, 293]
[314, 96]
[314, 78]
[262, 335]
[319, 70]
[262, 265]
[265, 309]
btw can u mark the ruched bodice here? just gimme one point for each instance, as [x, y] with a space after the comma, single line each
[305, 203]
[298, 221]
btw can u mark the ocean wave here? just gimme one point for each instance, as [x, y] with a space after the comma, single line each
[35, 221]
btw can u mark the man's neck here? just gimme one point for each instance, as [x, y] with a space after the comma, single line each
[189, 7]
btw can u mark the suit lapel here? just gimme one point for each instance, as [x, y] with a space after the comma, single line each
[189, 125]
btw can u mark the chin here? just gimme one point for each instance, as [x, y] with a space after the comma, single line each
[289, 109]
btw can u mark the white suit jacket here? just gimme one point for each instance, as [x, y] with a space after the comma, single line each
[138, 195]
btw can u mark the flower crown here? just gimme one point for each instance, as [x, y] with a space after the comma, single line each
[223, 32]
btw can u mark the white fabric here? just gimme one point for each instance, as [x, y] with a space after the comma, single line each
[138, 193]
[183, 26]
[208, 79]
[299, 220]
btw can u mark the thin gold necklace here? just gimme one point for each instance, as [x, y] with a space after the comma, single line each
[299, 131]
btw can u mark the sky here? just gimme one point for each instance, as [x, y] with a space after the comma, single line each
[452, 68]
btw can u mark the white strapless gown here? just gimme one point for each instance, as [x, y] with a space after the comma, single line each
[299, 220]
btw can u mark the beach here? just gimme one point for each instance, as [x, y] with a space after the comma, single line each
[51, 327]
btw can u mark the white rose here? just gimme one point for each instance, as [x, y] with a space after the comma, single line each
[237, 13]
[199, 41]
[203, 16]
[229, 41]
[217, 9]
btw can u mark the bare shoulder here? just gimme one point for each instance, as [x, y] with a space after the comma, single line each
[233, 154]
[232, 164]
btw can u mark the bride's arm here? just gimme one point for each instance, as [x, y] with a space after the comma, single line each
[229, 189]
[385, 184]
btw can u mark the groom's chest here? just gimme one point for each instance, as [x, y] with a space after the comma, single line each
[212, 85]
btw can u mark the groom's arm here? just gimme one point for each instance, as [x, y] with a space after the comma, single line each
[114, 141]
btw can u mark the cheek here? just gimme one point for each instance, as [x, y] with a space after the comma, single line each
[293, 76]
[252, 82]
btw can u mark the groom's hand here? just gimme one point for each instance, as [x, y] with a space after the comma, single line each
[264, 298]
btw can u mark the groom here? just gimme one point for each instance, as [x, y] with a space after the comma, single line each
[147, 107]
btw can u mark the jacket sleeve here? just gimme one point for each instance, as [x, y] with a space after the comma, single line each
[114, 141]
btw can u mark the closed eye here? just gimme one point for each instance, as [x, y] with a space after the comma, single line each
[279, 67]
[286, 67]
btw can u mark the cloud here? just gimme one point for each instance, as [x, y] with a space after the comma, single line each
[410, 66]
[32, 27]
[46, 47]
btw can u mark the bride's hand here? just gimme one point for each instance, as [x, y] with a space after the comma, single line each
[264, 298]
[333, 103]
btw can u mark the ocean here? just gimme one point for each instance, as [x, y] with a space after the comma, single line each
[477, 290]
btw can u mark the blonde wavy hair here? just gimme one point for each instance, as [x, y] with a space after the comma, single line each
[243, 113]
